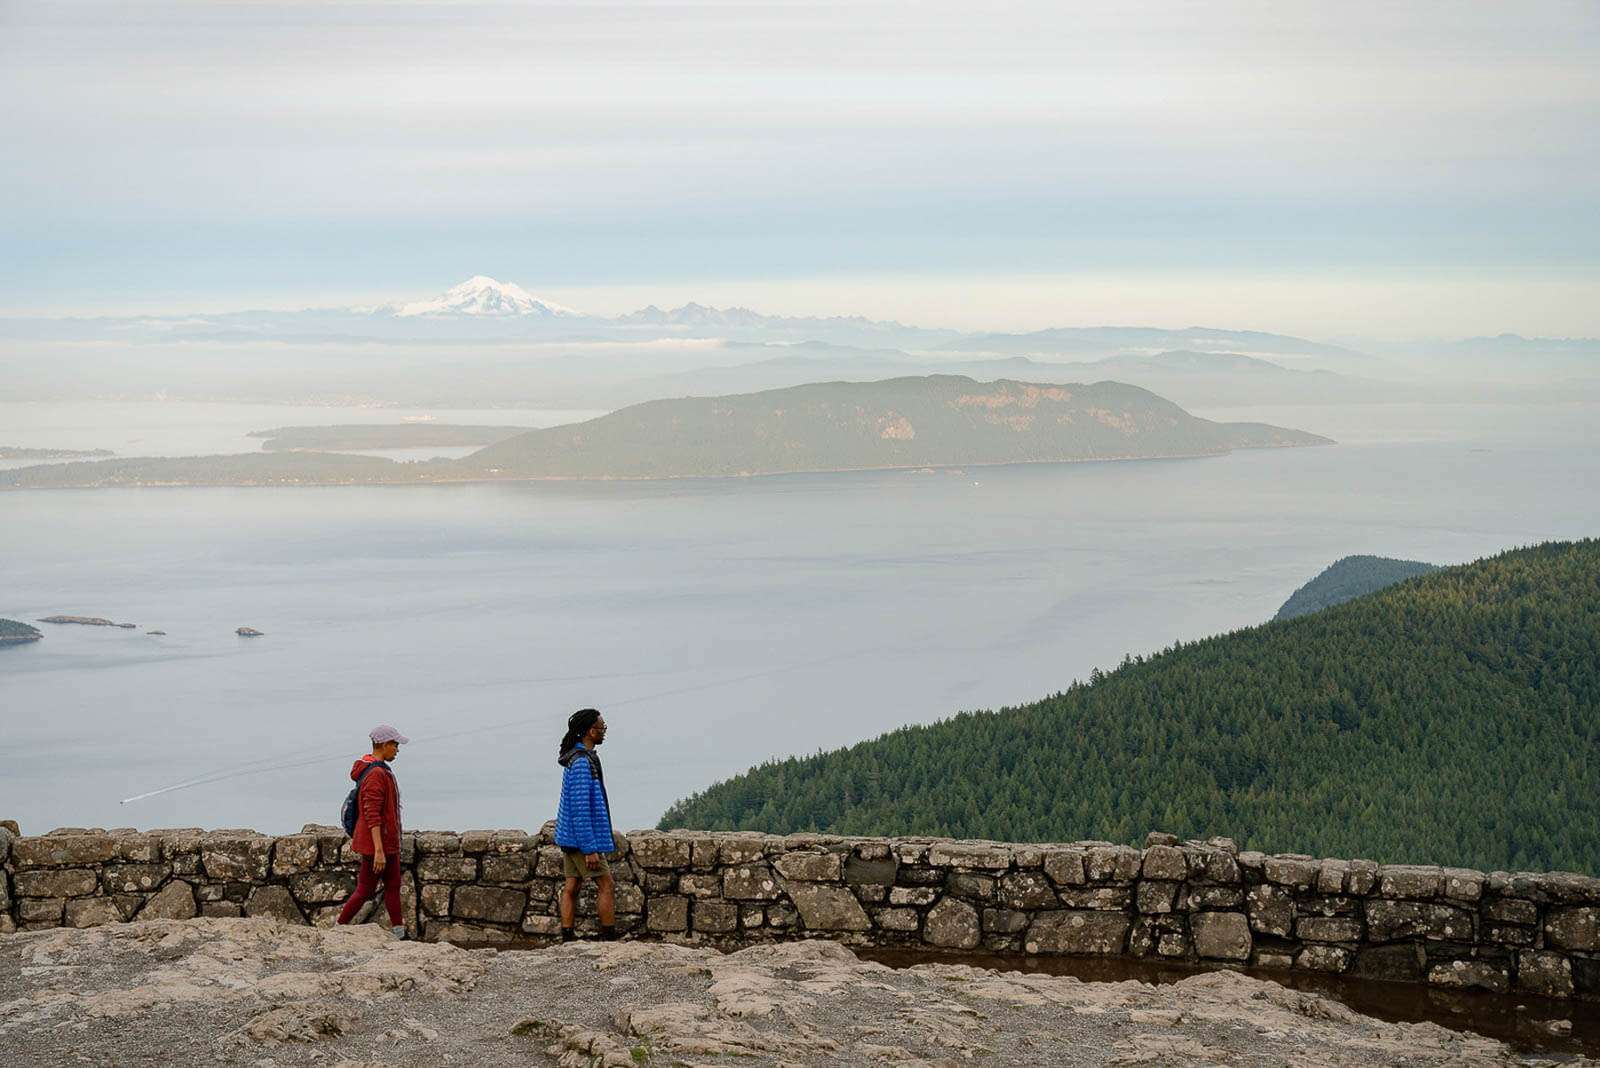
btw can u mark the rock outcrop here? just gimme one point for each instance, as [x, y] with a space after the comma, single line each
[257, 991]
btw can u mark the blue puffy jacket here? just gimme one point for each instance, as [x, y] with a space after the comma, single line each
[583, 822]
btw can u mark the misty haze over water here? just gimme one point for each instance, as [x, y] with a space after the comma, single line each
[718, 622]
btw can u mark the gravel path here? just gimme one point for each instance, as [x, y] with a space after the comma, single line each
[253, 992]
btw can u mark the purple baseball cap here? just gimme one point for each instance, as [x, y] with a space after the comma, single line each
[385, 733]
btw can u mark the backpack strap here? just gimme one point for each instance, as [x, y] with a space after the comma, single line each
[375, 764]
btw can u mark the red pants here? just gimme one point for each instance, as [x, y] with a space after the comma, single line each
[367, 885]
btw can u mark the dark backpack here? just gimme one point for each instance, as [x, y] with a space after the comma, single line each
[352, 800]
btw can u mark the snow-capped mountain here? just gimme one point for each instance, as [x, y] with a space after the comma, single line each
[481, 295]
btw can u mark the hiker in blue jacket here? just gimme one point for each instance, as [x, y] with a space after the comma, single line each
[583, 822]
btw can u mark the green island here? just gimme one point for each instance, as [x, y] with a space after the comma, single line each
[1453, 718]
[1348, 578]
[916, 422]
[15, 633]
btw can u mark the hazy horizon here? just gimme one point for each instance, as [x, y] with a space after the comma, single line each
[1379, 172]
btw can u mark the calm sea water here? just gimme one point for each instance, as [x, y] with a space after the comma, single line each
[718, 622]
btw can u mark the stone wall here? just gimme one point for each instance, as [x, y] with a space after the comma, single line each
[1196, 902]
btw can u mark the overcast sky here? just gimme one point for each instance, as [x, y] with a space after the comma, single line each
[1347, 168]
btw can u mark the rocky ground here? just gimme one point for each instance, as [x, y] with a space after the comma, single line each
[255, 992]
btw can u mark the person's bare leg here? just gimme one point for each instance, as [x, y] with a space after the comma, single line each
[607, 903]
[569, 902]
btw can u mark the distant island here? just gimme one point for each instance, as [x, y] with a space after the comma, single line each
[87, 621]
[15, 633]
[914, 422]
[1349, 578]
[1448, 719]
[17, 452]
[361, 437]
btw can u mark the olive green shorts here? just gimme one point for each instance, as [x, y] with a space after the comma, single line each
[576, 867]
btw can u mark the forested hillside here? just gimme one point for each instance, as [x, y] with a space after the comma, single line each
[1453, 719]
[1346, 579]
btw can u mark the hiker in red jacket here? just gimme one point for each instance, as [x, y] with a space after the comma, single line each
[377, 834]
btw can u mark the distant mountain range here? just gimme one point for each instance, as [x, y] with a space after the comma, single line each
[1450, 719]
[1349, 578]
[931, 421]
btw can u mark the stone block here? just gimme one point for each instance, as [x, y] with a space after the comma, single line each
[1027, 890]
[59, 882]
[174, 902]
[864, 871]
[987, 856]
[1544, 973]
[905, 851]
[92, 912]
[133, 878]
[952, 924]
[1098, 898]
[1073, 931]
[1361, 877]
[1388, 921]
[752, 916]
[1272, 960]
[1565, 927]
[322, 887]
[1112, 864]
[716, 917]
[1271, 910]
[700, 884]
[1160, 838]
[751, 882]
[1411, 882]
[971, 884]
[827, 908]
[541, 925]
[274, 902]
[549, 863]
[1152, 897]
[1004, 921]
[475, 842]
[235, 857]
[1327, 929]
[1471, 975]
[893, 919]
[136, 848]
[508, 867]
[222, 910]
[436, 899]
[1462, 884]
[922, 875]
[1290, 871]
[1324, 958]
[447, 869]
[1064, 867]
[1209, 898]
[1395, 963]
[1330, 876]
[812, 867]
[1165, 862]
[871, 850]
[877, 894]
[667, 913]
[1221, 935]
[1511, 910]
[294, 854]
[913, 895]
[438, 843]
[43, 911]
[781, 916]
[1505, 934]
[741, 849]
[660, 851]
[1217, 866]
[62, 851]
[1568, 887]
[492, 904]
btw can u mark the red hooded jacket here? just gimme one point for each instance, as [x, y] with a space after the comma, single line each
[379, 806]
